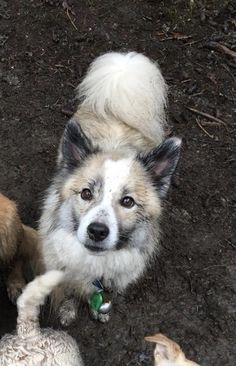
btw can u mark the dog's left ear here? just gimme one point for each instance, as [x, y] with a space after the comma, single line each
[161, 163]
[165, 349]
[75, 145]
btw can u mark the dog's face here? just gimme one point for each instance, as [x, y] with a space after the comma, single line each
[110, 200]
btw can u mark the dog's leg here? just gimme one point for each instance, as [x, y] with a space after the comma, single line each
[64, 304]
[16, 281]
[67, 312]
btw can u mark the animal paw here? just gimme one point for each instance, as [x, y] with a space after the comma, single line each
[103, 318]
[67, 312]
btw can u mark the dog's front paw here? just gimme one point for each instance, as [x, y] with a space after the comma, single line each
[67, 312]
[103, 318]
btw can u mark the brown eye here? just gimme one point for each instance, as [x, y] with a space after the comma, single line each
[127, 202]
[86, 194]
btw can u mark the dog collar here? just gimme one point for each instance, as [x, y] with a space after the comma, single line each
[100, 300]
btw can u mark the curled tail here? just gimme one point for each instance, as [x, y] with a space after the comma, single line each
[129, 87]
[32, 297]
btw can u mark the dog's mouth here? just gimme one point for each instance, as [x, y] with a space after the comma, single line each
[99, 249]
[94, 248]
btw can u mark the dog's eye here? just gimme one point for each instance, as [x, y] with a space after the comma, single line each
[127, 202]
[86, 194]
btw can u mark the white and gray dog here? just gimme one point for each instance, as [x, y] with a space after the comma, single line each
[100, 216]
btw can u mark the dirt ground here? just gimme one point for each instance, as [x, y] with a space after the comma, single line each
[45, 47]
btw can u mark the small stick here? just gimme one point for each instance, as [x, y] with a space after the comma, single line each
[72, 85]
[72, 22]
[203, 129]
[232, 245]
[230, 73]
[199, 93]
[222, 48]
[193, 42]
[185, 81]
[203, 114]
[209, 123]
[176, 38]
[213, 266]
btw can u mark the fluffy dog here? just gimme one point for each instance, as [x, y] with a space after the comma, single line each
[168, 353]
[101, 215]
[31, 345]
[19, 244]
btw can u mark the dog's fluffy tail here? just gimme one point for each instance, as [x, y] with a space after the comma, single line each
[32, 297]
[129, 87]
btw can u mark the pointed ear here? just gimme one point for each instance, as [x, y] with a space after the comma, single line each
[75, 145]
[161, 351]
[166, 349]
[161, 163]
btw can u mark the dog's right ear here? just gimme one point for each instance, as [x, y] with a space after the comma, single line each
[161, 162]
[75, 146]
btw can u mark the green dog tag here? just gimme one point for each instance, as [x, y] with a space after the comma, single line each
[100, 300]
[96, 300]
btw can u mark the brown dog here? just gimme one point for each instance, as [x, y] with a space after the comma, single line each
[168, 353]
[19, 245]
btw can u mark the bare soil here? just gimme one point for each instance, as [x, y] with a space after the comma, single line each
[45, 47]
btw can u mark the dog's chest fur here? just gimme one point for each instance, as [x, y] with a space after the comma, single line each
[117, 269]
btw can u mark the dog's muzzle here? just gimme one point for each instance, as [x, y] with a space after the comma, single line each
[97, 233]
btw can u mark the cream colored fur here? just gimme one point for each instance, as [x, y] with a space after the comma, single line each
[128, 87]
[168, 353]
[19, 247]
[32, 346]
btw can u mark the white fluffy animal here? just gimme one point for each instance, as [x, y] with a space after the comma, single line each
[32, 346]
[100, 216]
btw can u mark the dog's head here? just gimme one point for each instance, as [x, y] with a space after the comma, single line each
[109, 200]
[167, 352]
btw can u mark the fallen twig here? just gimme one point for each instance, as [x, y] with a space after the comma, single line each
[71, 20]
[193, 42]
[175, 36]
[211, 123]
[70, 84]
[196, 94]
[214, 266]
[203, 129]
[230, 73]
[220, 47]
[230, 243]
[203, 114]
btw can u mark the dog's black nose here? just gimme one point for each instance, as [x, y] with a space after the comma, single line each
[97, 231]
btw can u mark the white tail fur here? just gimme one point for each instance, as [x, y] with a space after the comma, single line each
[129, 87]
[32, 297]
